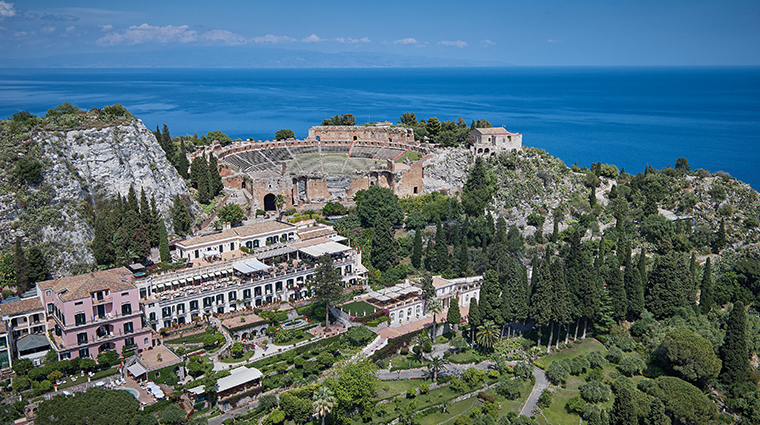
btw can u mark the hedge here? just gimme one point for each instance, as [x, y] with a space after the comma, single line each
[167, 375]
[394, 344]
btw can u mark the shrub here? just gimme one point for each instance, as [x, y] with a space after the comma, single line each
[615, 355]
[596, 359]
[424, 388]
[595, 374]
[595, 392]
[557, 373]
[575, 405]
[545, 400]
[631, 365]
[509, 387]
[404, 350]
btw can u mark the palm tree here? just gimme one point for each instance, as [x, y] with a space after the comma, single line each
[436, 365]
[435, 306]
[323, 402]
[127, 256]
[487, 334]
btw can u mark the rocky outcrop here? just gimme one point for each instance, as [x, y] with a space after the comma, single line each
[83, 166]
[446, 169]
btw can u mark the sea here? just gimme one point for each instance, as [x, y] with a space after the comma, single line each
[627, 116]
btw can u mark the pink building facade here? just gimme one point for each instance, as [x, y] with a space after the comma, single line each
[93, 313]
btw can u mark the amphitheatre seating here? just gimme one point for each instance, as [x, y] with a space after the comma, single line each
[250, 160]
[343, 149]
[389, 153]
[303, 150]
[364, 151]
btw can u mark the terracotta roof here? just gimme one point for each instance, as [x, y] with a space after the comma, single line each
[20, 306]
[81, 286]
[3, 327]
[493, 130]
[315, 232]
[253, 229]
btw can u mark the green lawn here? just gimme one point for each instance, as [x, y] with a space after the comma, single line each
[190, 339]
[410, 155]
[453, 410]
[358, 308]
[387, 389]
[579, 349]
[402, 362]
[464, 357]
[247, 355]
[303, 337]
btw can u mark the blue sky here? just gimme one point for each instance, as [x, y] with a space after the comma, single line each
[525, 33]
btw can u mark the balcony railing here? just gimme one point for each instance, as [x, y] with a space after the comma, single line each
[96, 301]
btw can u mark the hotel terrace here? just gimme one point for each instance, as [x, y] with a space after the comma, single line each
[93, 313]
[251, 236]
[271, 274]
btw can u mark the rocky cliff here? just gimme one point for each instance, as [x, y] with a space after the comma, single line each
[81, 166]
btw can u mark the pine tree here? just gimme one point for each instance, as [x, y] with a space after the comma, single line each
[441, 263]
[21, 267]
[624, 410]
[180, 216]
[707, 298]
[474, 318]
[734, 351]
[616, 289]
[417, 249]
[634, 290]
[182, 163]
[384, 246]
[478, 189]
[215, 180]
[38, 269]
[163, 244]
[657, 414]
[132, 202]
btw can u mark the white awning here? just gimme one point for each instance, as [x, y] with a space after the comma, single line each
[136, 370]
[160, 286]
[257, 265]
[237, 377]
[229, 271]
[205, 276]
[210, 253]
[217, 274]
[324, 248]
[242, 268]
[183, 281]
[175, 283]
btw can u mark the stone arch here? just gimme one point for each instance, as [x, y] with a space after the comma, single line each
[269, 202]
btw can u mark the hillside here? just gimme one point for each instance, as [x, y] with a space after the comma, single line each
[54, 170]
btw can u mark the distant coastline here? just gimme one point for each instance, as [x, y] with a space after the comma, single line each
[628, 116]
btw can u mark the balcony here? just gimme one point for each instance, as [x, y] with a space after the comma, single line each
[105, 300]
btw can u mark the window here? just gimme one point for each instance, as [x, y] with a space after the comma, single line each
[255, 243]
[246, 294]
[208, 301]
[166, 312]
[193, 305]
[257, 291]
[232, 296]
[48, 293]
[278, 286]
[220, 299]
[84, 353]
[152, 316]
[50, 308]
[79, 303]
[126, 309]
[197, 254]
[145, 341]
[124, 294]
[129, 328]
[82, 338]
[232, 246]
[221, 249]
[80, 319]
[129, 341]
[3, 341]
[181, 308]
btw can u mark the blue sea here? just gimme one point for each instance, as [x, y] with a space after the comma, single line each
[630, 117]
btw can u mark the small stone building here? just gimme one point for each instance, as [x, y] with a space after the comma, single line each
[493, 141]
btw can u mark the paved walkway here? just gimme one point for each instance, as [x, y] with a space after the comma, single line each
[542, 383]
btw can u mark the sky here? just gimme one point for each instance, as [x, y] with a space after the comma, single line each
[487, 32]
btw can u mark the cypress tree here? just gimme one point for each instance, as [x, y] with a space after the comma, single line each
[490, 301]
[182, 163]
[146, 218]
[690, 287]
[21, 267]
[561, 302]
[463, 259]
[478, 189]
[158, 136]
[454, 316]
[555, 231]
[441, 263]
[720, 236]
[582, 283]
[204, 194]
[642, 267]
[180, 216]
[38, 269]
[168, 145]
[707, 298]
[541, 296]
[666, 289]
[634, 290]
[132, 202]
[163, 244]
[215, 180]
[734, 351]
[474, 318]
[155, 219]
[417, 249]
[616, 288]
[102, 243]
[500, 237]
[384, 246]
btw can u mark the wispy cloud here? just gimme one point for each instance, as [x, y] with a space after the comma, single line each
[312, 39]
[70, 29]
[273, 39]
[458, 43]
[350, 40]
[487, 42]
[145, 34]
[408, 40]
[105, 28]
[7, 10]
[48, 29]
[553, 41]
